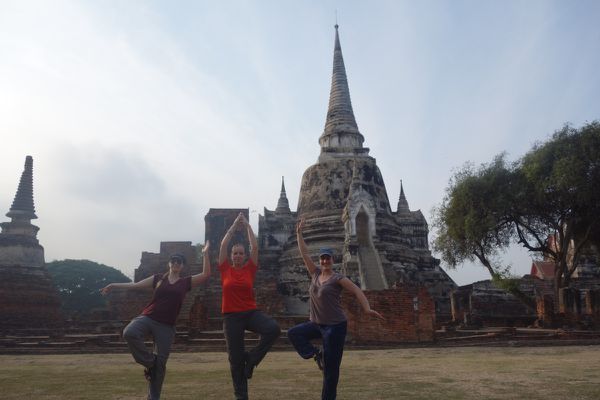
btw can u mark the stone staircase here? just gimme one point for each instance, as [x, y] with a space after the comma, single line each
[370, 268]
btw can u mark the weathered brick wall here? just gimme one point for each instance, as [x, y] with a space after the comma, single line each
[483, 304]
[28, 300]
[268, 298]
[409, 312]
[459, 304]
[500, 309]
[576, 306]
[545, 310]
[127, 304]
[592, 303]
[198, 316]
[569, 302]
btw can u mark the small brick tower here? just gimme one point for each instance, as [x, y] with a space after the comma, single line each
[29, 301]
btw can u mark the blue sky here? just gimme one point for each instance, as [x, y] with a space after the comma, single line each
[142, 115]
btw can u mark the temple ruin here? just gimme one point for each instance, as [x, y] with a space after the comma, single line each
[29, 300]
[344, 202]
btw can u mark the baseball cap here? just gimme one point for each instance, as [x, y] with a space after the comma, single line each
[326, 252]
[177, 256]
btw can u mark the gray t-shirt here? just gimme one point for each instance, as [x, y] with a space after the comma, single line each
[325, 300]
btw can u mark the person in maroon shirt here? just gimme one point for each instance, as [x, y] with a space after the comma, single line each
[159, 316]
[239, 308]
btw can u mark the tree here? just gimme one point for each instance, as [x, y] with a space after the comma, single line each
[551, 192]
[470, 221]
[78, 283]
[560, 197]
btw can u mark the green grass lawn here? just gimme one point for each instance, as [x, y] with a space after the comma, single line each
[542, 373]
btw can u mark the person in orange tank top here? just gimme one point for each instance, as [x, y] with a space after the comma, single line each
[240, 312]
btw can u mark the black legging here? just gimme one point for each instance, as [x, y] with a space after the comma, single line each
[234, 325]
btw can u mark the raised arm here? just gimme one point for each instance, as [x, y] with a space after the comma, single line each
[310, 265]
[143, 284]
[360, 296]
[251, 240]
[227, 239]
[203, 277]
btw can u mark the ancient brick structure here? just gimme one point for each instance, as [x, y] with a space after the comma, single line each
[482, 304]
[345, 204]
[409, 313]
[545, 311]
[579, 304]
[28, 299]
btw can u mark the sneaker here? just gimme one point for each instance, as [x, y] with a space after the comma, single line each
[149, 372]
[318, 357]
[248, 366]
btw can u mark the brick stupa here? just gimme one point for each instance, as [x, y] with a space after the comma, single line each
[29, 302]
[344, 202]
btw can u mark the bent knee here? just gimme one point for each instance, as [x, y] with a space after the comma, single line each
[293, 332]
[131, 334]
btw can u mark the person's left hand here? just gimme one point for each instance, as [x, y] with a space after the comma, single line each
[375, 314]
[206, 247]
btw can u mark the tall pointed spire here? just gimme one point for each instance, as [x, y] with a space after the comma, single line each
[22, 207]
[282, 204]
[402, 202]
[340, 130]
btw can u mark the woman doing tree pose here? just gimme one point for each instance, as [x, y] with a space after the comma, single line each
[239, 308]
[159, 316]
[327, 319]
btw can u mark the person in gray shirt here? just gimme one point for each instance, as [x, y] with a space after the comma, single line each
[327, 319]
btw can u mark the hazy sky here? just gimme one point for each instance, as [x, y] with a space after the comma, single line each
[142, 115]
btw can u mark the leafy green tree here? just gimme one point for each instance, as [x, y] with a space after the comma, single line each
[560, 197]
[552, 191]
[470, 221]
[78, 283]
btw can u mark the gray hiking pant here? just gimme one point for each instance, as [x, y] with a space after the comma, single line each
[234, 325]
[135, 333]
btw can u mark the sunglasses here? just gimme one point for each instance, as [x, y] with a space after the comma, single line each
[325, 257]
[175, 261]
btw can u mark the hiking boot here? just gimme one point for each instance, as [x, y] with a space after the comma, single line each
[318, 357]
